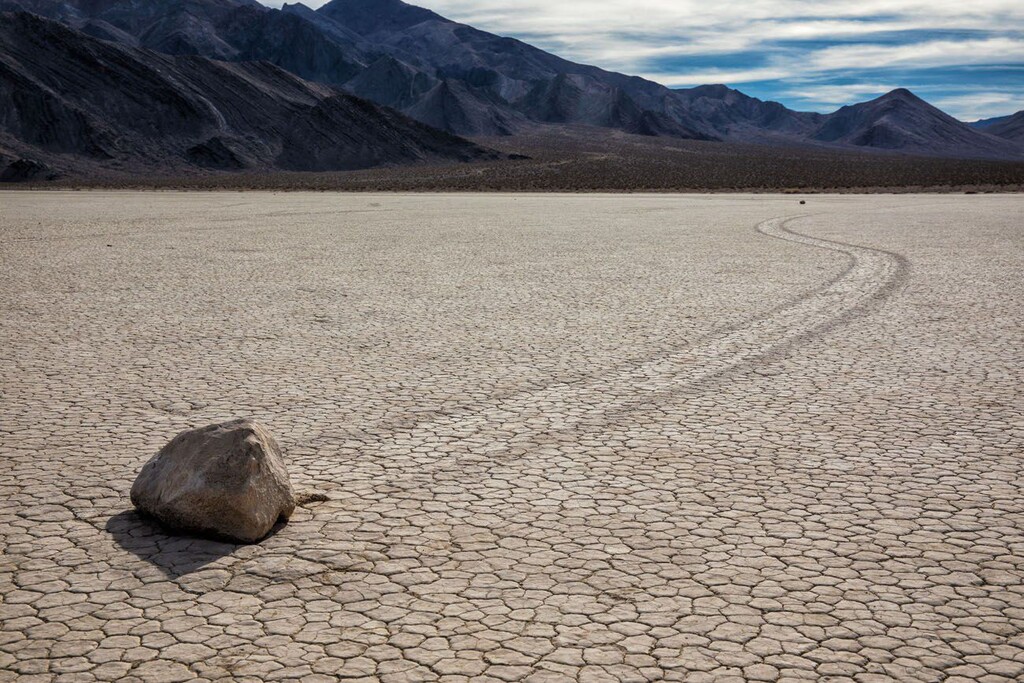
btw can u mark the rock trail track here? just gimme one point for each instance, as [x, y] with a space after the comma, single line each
[872, 275]
[800, 461]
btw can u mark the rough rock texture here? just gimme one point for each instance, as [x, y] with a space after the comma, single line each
[226, 479]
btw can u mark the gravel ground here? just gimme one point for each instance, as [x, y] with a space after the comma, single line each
[563, 438]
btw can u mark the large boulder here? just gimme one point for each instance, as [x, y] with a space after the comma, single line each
[227, 480]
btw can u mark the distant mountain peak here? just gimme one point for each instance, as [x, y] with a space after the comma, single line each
[1009, 127]
[901, 121]
[900, 98]
[718, 90]
[902, 95]
[369, 16]
[298, 8]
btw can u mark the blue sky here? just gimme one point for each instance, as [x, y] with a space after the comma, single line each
[965, 56]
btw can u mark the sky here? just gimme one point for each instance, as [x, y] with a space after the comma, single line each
[964, 56]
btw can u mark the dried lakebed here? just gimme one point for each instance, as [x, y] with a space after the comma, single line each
[572, 438]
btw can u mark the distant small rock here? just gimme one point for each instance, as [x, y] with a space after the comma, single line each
[227, 480]
[802, 201]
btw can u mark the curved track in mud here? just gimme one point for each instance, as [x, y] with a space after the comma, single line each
[487, 429]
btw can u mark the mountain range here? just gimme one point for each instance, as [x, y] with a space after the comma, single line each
[109, 104]
[1009, 127]
[312, 70]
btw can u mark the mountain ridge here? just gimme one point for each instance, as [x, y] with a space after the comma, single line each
[901, 121]
[79, 102]
[470, 82]
[1010, 127]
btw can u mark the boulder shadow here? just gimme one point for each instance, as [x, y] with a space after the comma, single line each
[174, 555]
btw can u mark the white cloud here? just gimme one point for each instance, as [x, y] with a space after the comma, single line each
[675, 79]
[980, 105]
[922, 54]
[847, 58]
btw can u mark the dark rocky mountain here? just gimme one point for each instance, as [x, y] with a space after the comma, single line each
[72, 100]
[901, 121]
[982, 124]
[452, 105]
[485, 84]
[443, 73]
[737, 116]
[238, 30]
[898, 121]
[1009, 127]
[470, 82]
[392, 83]
[383, 18]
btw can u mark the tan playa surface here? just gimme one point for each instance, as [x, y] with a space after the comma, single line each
[563, 438]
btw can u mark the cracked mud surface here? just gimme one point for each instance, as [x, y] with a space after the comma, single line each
[563, 438]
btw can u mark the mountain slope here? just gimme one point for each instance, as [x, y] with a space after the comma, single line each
[737, 116]
[1010, 127]
[240, 30]
[500, 85]
[73, 98]
[982, 124]
[901, 121]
